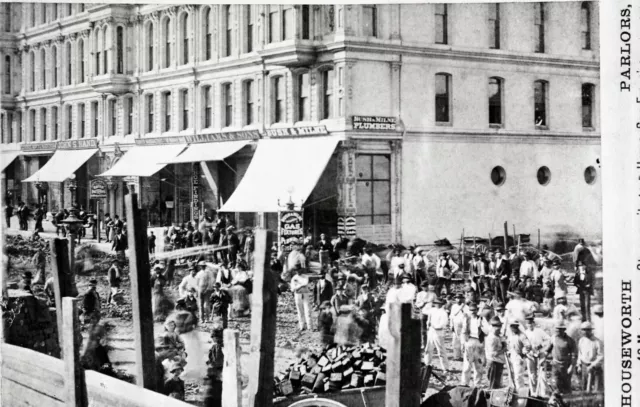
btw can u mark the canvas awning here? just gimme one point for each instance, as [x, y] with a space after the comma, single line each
[144, 161]
[7, 158]
[281, 168]
[61, 165]
[216, 151]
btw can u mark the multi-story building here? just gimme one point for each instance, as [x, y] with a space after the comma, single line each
[449, 116]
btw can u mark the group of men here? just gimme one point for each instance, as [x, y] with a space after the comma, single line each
[22, 211]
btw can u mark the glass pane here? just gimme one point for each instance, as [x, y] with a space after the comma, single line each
[381, 197]
[363, 197]
[328, 81]
[363, 167]
[288, 24]
[381, 167]
[304, 85]
[363, 220]
[382, 219]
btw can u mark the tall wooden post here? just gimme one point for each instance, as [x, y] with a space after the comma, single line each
[231, 383]
[140, 295]
[74, 383]
[263, 324]
[403, 367]
[61, 281]
[506, 235]
[538, 239]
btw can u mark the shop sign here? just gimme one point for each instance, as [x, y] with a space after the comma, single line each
[296, 131]
[347, 226]
[47, 146]
[77, 144]
[200, 138]
[98, 189]
[374, 123]
[290, 229]
[195, 192]
[159, 141]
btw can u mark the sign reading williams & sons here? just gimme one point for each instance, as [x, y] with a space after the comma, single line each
[374, 123]
[98, 189]
[296, 131]
[200, 138]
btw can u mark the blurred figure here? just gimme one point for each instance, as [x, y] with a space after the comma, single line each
[325, 323]
[113, 274]
[174, 386]
[213, 381]
[563, 353]
[39, 261]
[300, 288]
[8, 213]
[583, 281]
[25, 283]
[151, 239]
[108, 224]
[39, 215]
[437, 324]
[90, 303]
[590, 358]
[220, 301]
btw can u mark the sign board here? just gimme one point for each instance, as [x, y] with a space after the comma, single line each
[296, 131]
[374, 123]
[195, 192]
[46, 146]
[347, 226]
[199, 138]
[77, 144]
[97, 189]
[290, 229]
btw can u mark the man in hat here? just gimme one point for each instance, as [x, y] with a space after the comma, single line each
[113, 275]
[590, 358]
[563, 353]
[503, 274]
[558, 278]
[323, 289]
[420, 266]
[477, 273]
[583, 281]
[561, 310]
[325, 248]
[39, 261]
[516, 308]
[519, 348]
[372, 265]
[445, 268]
[538, 342]
[408, 290]
[424, 302]
[515, 261]
[580, 253]
[545, 269]
[174, 386]
[438, 322]
[301, 295]
[598, 322]
[91, 302]
[296, 259]
[499, 311]
[213, 381]
[528, 267]
[340, 298]
[456, 322]
[189, 281]
[495, 349]
[325, 323]
[234, 242]
[472, 335]
[25, 283]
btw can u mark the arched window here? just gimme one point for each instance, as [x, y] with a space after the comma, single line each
[32, 119]
[228, 35]
[120, 50]
[55, 117]
[69, 122]
[540, 90]
[69, 60]
[150, 47]
[538, 9]
[43, 124]
[208, 34]
[54, 63]
[495, 101]
[443, 98]
[585, 25]
[43, 13]
[81, 61]
[166, 42]
[184, 37]
[7, 74]
[32, 78]
[43, 69]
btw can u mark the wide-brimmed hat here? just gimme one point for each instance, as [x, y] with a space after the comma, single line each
[473, 306]
[325, 304]
[514, 323]
[438, 301]
[425, 284]
[202, 263]
[556, 262]
[586, 325]
[530, 317]
[495, 321]
[597, 309]
[459, 295]
[175, 366]
[499, 307]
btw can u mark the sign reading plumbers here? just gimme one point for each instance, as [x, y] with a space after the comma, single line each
[374, 123]
[98, 189]
[290, 229]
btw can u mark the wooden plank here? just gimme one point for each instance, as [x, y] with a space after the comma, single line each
[106, 391]
[139, 272]
[75, 389]
[60, 271]
[506, 235]
[38, 371]
[18, 355]
[16, 395]
[403, 367]
[263, 324]
[231, 384]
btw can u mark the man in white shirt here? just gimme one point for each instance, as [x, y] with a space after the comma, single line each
[473, 355]
[590, 357]
[519, 348]
[444, 270]
[408, 291]
[598, 322]
[395, 259]
[424, 302]
[295, 259]
[372, 265]
[300, 288]
[438, 322]
[538, 340]
[189, 281]
[477, 273]
[528, 267]
[457, 319]
[545, 272]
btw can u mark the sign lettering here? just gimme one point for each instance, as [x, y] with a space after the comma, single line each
[77, 144]
[195, 191]
[296, 131]
[374, 123]
[38, 146]
[98, 189]
[290, 230]
[200, 138]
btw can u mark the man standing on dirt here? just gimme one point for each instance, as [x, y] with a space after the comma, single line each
[503, 273]
[583, 281]
[563, 352]
[445, 269]
[8, 213]
[438, 323]
[495, 349]
[114, 279]
[39, 261]
[457, 321]
[590, 356]
[91, 302]
[519, 348]
[119, 244]
[580, 253]
[300, 288]
[538, 340]
[472, 337]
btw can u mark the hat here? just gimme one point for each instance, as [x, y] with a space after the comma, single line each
[93, 282]
[425, 284]
[459, 295]
[158, 266]
[560, 324]
[345, 308]
[476, 256]
[495, 321]
[597, 309]
[499, 307]
[202, 263]
[231, 227]
[514, 323]
[586, 325]
[438, 301]
[192, 290]
[175, 366]
[341, 277]
[405, 276]
[325, 304]
[473, 307]
[27, 274]
[401, 265]
[512, 249]
[517, 291]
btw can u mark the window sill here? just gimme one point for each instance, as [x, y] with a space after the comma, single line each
[542, 127]
[444, 124]
[496, 126]
[588, 129]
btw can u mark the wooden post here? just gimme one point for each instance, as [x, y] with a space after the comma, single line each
[231, 383]
[74, 383]
[490, 245]
[403, 367]
[140, 295]
[538, 239]
[462, 252]
[514, 233]
[263, 324]
[98, 219]
[506, 235]
[61, 276]
[474, 245]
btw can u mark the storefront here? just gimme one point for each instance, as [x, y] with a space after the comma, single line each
[8, 171]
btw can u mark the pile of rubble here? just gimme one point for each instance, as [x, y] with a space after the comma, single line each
[19, 246]
[336, 368]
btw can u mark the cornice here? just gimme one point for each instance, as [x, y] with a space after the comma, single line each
[506, 137]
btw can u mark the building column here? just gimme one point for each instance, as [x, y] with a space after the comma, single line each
[395, 86]
[395, 22]
[112, 186]
[25, 162]
[396, 190]
[346, 177]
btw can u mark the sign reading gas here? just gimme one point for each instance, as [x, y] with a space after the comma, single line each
[98, 189]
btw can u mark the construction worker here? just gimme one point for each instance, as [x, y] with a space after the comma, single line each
[456, 322]
[519, 348]
[495, 349]
[563, 352]
[590, 357]
[538, 341]
[472, 338]
[438, 322]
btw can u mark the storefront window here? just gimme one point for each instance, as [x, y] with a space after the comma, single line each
[373, 189]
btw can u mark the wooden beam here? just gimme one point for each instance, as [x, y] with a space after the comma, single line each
[506, 235]
[403, 367]
[60, 271]
[140, 276]
[75, 388]
[263, 324]
[231, 374]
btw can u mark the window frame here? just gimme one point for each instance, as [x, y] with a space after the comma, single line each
[592, 95]
[208, 35]
[32, 117]
[248, 96]
[375, 181]
[228, 30]
[151, 46]
[444, 16]
[183, 32]
[545, 96]
[120, 44]
[166, 42]
[150, 110]
[7, 74]
[249, 28]
[129, 104]
[112, 108]
[207, 106]
[539, 26]
[303, 104]
[500, 83]
[43, 71]
[43, 124]
[184, 109]
[55, 117]
[95, 118]
[167, 111]
[69, 58]
[449, 86]
[69, 115]
[226, 94]
[82, 119]
[494, 25]
[279, 102]
[81, 61]
[327, 93]
[585, 26]
[373, 32]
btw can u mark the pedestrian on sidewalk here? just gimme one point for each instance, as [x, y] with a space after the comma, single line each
[108, 223]
[114, 274]
[119, 244]
[300, 288]
[152, 242]
[8, 213]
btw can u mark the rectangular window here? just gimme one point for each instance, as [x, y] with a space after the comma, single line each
[441, 24]
[166, 106]
[274, 24]
[228, 31]
[94, 118]
[248, 102]
[9, 138]
[184, 101]
[150, 113]
[587, 105]
[327, 94]
[129, 105]
[494, 26]
[278, 97]
[69, 122]
[113, 116]
[206, 103]
[43, 124]
[306, 17]
[7, 17]
[249, 26]
[540, 101]
[443, 98]
[539, 26]
[69, 64]
[303, 97]
[288, 24]
[585, 25]
[150, 49]
[81, 113]
[227, 102]
[373, 189]
[55, 116]
[208, 35]
[370, 18]
[20, 137]
[495, 101]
